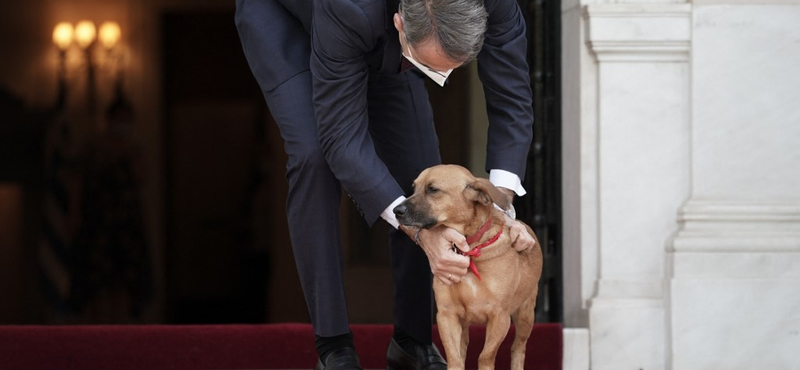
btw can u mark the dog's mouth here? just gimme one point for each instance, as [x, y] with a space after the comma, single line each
[413, 222]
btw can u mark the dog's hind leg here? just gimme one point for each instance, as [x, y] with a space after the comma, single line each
[523, 324]
[496, 331]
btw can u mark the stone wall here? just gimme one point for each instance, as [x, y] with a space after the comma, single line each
[682, 183]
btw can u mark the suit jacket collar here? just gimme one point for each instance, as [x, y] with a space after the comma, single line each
[387, 56]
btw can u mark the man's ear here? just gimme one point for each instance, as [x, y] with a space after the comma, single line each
[398, 22]
[484, 192]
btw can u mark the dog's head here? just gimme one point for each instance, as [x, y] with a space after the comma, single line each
[449, 195]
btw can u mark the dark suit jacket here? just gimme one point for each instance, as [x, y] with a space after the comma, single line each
[351, 39]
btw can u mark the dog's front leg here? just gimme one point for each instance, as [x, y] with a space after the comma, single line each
[451, 332]
[464, 339]
[496, 330]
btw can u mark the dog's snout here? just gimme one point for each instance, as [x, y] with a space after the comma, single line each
[409, 214]
[400, 210]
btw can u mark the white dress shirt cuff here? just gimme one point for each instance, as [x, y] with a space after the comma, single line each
[507, 180]
[388, 213]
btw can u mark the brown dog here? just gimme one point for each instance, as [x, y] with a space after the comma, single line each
[502, 284]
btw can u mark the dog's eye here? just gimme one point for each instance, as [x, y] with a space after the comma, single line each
[431, 190]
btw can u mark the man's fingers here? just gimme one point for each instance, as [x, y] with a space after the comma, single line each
[454, 263]
[455, 238]
[522, 240]
[456, 260]
[462, 246]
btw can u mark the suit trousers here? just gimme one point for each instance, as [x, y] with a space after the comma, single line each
[401, 126]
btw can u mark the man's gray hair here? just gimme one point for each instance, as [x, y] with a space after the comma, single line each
[458, 25]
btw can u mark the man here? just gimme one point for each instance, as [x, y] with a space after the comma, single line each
[344, 80]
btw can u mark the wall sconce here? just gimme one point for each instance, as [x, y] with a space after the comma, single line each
[85, 35]
[62, 37]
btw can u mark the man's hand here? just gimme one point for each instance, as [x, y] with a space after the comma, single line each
[448, 266]
[520, 237]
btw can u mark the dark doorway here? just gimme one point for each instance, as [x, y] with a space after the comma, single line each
[542, 207]
[216, 271]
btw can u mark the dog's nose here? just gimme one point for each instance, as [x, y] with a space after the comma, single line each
[400, 210]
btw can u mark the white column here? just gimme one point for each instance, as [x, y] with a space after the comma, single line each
[735, 263]
[641, 161]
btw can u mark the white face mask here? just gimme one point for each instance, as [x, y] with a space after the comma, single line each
[436, 76]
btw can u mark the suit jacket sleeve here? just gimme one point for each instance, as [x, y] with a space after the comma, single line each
[342, 34]
[503, 70]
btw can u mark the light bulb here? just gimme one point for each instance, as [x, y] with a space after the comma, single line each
[85, 33]
[62, 35]
[109, 34]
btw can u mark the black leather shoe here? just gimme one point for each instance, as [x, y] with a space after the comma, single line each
[421, 358]
[342, 359]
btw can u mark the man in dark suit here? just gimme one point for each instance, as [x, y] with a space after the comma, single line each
[344, 80]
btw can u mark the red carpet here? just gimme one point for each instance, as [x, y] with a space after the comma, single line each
[266, 346]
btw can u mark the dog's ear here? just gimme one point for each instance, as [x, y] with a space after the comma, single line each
[484, 192]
